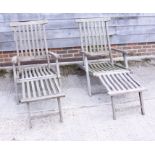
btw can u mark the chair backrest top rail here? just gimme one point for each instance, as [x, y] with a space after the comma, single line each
[93, 19]
[15, 24]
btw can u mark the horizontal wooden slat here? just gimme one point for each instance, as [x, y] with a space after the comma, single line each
[42, 98]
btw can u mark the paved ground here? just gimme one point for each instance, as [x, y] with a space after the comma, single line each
[85, 118]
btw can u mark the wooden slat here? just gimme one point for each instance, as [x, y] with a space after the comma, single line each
[97, 36]
[32, 37]
[26, 51]
[103, 35]
[57, 85]
[119, 83]
[42, 98]
[95, 33]
[113, 88]
[28, 39]
[100, 32]
[40, 31]
[88, 32]
[23, 87]
[103, 67]
[91, 24]
[39, 70]
[45, 42]
[32, 84]
[27, 85]
[36, 39]
[47, 82]
[37, 82]
[15, 38]
[20, 41]
[123, 81]
[111, 79]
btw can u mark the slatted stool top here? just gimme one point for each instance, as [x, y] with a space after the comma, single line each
[120, 83]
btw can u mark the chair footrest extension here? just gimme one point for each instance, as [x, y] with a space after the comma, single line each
[120, 83]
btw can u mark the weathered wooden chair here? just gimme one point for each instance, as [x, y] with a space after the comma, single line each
[95, 42]
[34, 82]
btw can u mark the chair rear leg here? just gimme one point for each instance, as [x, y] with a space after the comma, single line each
[60, 111]
[141, 103]
[29, 115]
[113, 108]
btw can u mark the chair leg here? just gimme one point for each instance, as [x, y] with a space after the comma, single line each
[113, 108]
[29, 115]
[16, 91]
[87, 75]
[141, 103]
[60, 111]
[88, 83]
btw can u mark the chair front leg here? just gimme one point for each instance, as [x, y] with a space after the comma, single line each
[141, 103]
[60, 111]
[87, 75]
[29, 115]
[113, 108]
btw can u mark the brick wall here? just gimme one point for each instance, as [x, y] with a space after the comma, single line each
[73, 53]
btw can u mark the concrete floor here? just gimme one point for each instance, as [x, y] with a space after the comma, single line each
[85, 118]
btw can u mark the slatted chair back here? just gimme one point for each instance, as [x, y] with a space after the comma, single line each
[94, 35]
[30, 39]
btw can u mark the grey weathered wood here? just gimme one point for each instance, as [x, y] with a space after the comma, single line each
[113, 108]
[29, 115]
[141, 103]
[37, 82]
[95, 41]
[60, 110]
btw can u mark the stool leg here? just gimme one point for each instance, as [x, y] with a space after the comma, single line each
[29, 115]
[113, 108]
[60, 111]
[141, 103]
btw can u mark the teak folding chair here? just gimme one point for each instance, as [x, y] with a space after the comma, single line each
[95, 43]
[34, 82]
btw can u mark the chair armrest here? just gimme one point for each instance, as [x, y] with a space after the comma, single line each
[120, 51]
[124, 53]
[54, 55]
[14, 59]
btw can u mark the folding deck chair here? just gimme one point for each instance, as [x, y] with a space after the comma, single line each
[34, 82]
[95, 43]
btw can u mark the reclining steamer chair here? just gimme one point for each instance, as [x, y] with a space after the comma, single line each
[116, 79]
[34, 82]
